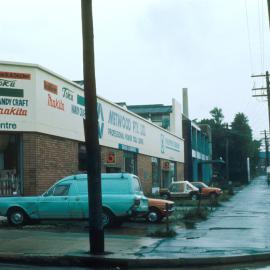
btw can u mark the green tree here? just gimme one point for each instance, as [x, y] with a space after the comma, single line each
[218, 132]
[217, 115]
[241, 144]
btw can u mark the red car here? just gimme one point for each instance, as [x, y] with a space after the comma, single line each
[157, 209]
[206, 191]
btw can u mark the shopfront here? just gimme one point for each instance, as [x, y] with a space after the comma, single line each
[10, 164]
[42, 135]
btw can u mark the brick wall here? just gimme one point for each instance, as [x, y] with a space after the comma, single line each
[180, 171]
[29, 164]
[49, 158]
[46, 160]
[144, 164]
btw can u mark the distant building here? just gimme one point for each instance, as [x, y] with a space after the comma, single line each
[198, 138]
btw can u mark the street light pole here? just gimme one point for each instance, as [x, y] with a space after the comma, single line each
[96, 232]
[227, 158]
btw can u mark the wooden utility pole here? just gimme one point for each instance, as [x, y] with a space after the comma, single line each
[263, 92]
[266, 149]
[227, 158]
[268, 5]
[96, 232]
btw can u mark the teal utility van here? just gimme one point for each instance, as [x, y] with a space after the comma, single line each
[122, 196]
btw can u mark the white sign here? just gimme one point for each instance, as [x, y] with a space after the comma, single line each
[35, 99]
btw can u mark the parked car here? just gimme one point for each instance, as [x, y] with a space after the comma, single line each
[180, 189]
[122, 196]
[206, 191]
[157, 210]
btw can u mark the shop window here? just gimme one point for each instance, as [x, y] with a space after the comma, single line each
[169, 173]
[130, 162]
[155, 172]
[10, 165]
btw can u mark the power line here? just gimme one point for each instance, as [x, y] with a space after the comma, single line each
[263, 35]
[259, 32]
[249, 41]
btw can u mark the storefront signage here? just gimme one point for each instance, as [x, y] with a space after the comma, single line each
[7, 83]
[13, 111]
[50, 87]
[15, 75]
[11, 92]
[80, 100]
[100, 120]
[166, 166]
[128, 148]
[14, 102]
[167, 143]
[78, 110]
[67, 93]
[60, 111]
[56, 103]
[110, 158]
[8, 126]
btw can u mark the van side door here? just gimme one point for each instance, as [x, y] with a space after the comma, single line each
[55, 203]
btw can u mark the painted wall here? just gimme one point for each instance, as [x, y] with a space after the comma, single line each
[35, 99]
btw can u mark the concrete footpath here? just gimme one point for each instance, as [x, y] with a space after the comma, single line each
[239, 231]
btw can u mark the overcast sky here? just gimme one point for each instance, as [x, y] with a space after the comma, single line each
[148, 50]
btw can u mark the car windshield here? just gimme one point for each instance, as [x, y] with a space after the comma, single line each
[136, 184]
[61, 190]
[58, 190]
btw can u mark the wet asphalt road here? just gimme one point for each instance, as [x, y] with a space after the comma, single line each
[229, 267]
[240, 227]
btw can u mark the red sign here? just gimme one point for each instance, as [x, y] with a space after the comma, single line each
[15, 75]
[166, 165]
[50, 87]
[111, 158]
[56, 103]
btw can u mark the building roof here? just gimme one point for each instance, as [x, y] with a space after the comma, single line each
[150, 109]
[263, 154]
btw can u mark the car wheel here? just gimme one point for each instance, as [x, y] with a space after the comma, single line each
[108, 218]
[194, 197]
[17, 217]
[153, 215]
[165, 196]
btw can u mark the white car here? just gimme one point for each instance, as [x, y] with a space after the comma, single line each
[180, 189]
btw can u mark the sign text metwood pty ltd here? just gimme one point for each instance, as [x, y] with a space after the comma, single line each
[130, 130]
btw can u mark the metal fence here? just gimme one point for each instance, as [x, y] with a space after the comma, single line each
[9, 183]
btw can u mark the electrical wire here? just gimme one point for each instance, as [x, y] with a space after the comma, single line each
[249, 40]
[263, 21]
[260, 34]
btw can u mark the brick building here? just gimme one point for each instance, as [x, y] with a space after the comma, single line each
[42, 136]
